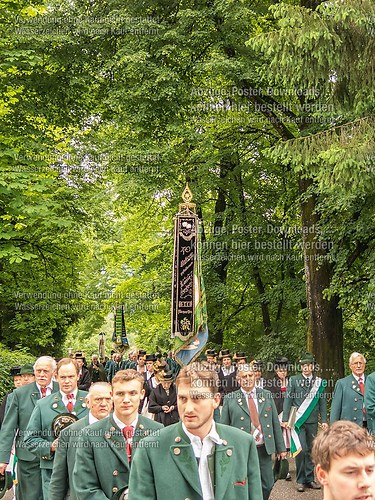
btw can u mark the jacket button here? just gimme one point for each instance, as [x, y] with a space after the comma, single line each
[242, 418]
[114, 490]
[355, 399]
[229, 453]
[242, 428]
[355, 409]
[265, 415]
[177, 439]
[177, 451]
[115, 472]
[269, 435]
[268, 425]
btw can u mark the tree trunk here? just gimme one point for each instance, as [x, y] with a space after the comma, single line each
[325, 325]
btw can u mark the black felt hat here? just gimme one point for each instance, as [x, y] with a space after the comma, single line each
[225, 353]
[239, 355]
[15, 370]
[150, 357]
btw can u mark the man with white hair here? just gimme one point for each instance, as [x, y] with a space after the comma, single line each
[348, 396]
[25, 398]
[99, 403]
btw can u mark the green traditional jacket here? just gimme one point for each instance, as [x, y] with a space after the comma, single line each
[296, 393]
[39, 435]
[370, 402]
[16, 419]
[165, 467]
[347, 401]
[236, 413]
[65, 456]
[101, 464]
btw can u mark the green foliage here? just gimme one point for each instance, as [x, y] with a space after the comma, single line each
[8, 358]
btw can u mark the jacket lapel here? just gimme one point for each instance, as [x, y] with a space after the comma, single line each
[115, 439]
[223, 468]
[80, 405]
[183, 456]
[34, 394]
[57, 404]
[242, 402]
[355, 386]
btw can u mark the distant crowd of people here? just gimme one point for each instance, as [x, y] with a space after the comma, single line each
[145, 428]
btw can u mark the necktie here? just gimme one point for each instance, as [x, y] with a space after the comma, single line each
[361, 385]
[128, 434]
[70, 404]
[254, 417]
[43, 390]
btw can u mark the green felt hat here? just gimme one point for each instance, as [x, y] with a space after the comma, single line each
[306, 359]
[27, 369]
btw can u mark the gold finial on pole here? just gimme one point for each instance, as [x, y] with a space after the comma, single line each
[187, 196]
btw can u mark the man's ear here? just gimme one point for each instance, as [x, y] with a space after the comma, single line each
[321, 475]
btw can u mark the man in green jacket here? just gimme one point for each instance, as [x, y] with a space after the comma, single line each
[305, 392]
[252, 409]
[40, 439]
[348, 396]
[196, 458]
[107, 447]
[99, 403]
[24, 400]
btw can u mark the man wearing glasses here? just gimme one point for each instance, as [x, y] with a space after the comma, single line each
[348, 396]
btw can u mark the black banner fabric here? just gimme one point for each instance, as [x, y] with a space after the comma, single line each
[186, 227]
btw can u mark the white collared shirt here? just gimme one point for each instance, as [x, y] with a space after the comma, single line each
[92, 419]
[49, 388]
[65, 399]
[201, 450]
[121, 424]
[253, 394]
[227, 371]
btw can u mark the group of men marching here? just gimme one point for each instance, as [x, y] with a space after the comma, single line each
[232, 422]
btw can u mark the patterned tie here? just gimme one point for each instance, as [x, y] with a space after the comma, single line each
[70, 404]
[361, 385]
[254, 417]
[128, 434]
[43, 390]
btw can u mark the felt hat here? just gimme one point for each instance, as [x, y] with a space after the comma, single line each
[281, 362]
[15, 370]
[225, 353]
[141, 353]
[150, 357]
[210, 352]
[27, 369]
[239, 355]
[79, 355]
[257, 365]
[164, 376]
[306, 359]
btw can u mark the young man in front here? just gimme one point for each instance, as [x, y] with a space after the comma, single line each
[107, 447]
[196, 458]
[345, 462]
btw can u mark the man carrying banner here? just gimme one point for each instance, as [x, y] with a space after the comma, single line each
[252, 410]
[303, 403]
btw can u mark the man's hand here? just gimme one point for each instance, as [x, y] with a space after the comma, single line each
[282, 455]
[3, 466]
[284, 424]
[54, 445]
[165, 408]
